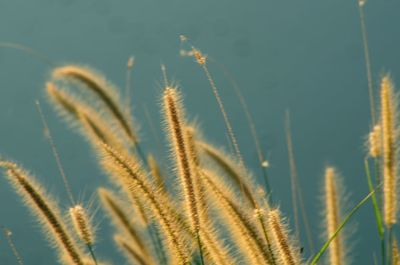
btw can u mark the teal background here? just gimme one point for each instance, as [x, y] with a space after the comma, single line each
[305, 56]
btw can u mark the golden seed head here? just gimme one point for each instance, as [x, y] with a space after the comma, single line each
[81, 224]
[280, 238]
[389, 151]
[200, 58]
[175, 120]
[333, 216]
[103, 92]
[46, 211]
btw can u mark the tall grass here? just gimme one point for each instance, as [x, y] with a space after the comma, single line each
[209, 209]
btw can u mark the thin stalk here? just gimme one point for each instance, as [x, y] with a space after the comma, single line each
[201, 60]
[28, 50]
[367, 62]
[296, 187]
[55, 153]
[90, 248]
[377, 211]
[251, 124]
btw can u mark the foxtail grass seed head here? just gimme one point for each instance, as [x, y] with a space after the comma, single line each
[237, 218]
[131, 174]
[175, 120]
[256, 230]
[389, 143]
[104, 90]
[61, 100]
[233, 169]
[200, 58]
[46, 211]
[89, 121]
[332, 217]
[121, 218]
[285, 252]
[82, 225]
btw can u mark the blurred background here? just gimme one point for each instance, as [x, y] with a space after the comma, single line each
[305, 56]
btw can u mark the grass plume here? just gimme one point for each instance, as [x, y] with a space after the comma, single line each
[123, 167]
[46, 212]
[389, 132]
[333, 217]
[100, 87]
[285, 251]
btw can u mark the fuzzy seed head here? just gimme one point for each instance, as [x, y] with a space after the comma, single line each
[333, 216]
[175, 120]
[103, 90]
[200, 58]
[280, 238]
[81, 224]
[46, 212]
[388, 121]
